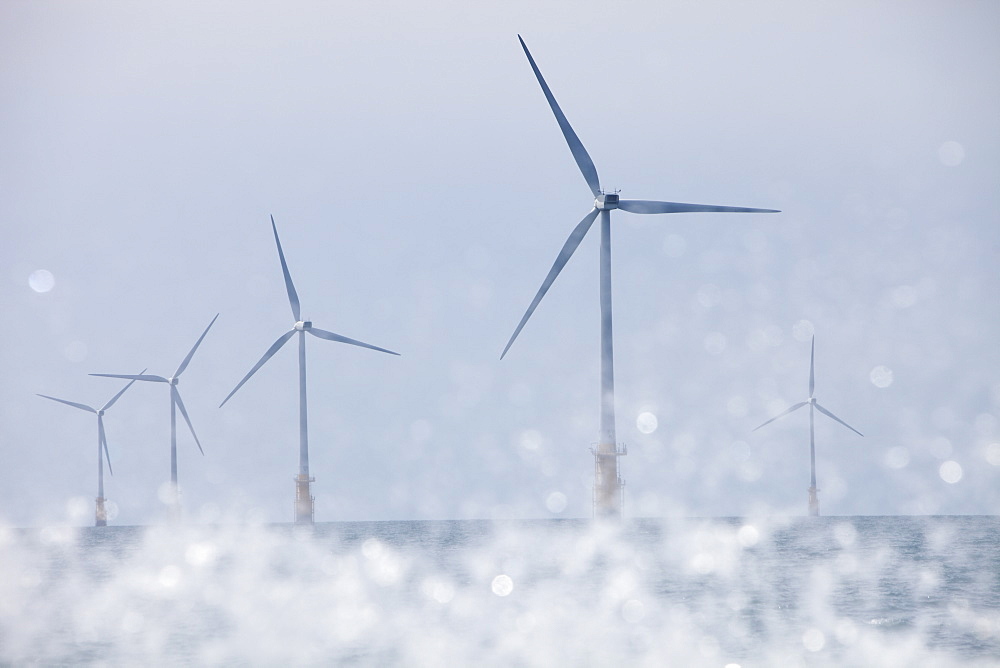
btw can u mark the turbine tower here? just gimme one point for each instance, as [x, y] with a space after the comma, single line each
[813, 404]
[175, 404]
[304, 501]
[608, 488]
[100, 514]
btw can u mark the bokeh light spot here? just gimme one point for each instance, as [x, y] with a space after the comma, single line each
[556, 502]
[41, 280]
[502, 585]
[950, 471]
[813, 640]
[646, 422]
[748, 535]
[78, 508]
[633, 611]
[530, 439]
[170, 576]
[803, 330]
[897, 457]
[737, 406]
[881, 376]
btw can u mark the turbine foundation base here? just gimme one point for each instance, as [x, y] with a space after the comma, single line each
[100, 513]
[813, 502]
[305, 506]
[609, 488]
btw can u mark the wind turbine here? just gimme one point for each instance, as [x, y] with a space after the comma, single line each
[175, 403]
[304, 501]
[813, 404]
[607, 482]
[100, 514]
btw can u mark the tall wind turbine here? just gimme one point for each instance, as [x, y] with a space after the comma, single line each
[100, 514]
[175, 403]
[813, 404]
[607, 482]
[304, 501]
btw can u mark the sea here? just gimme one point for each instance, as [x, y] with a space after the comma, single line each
[724, 592]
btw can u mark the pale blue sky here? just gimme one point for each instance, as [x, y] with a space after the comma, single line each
[422, 190]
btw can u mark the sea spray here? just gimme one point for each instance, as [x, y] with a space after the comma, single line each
[829, 591]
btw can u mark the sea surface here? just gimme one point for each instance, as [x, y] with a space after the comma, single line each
[826, 591]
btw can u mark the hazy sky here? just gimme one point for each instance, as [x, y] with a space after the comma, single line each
[422, 190]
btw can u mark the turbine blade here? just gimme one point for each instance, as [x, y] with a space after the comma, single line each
[180, 404]
[83, 407]
[120, 393]
[143, 376]
[330, 336]
[580, 154]
[270, 351]
[783, 414]
[293, 297]
[812, 372]
[648, 206]
[579, 232]
[104, 442]
[197, 343]
[831, 415]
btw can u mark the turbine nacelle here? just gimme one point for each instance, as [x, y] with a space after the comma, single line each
[606, 201]
[303, 325]
[173, 380]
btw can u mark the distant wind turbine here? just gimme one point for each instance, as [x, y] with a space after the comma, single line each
[607, 483]
[812, 403]
[304, 501]
[175, 404]
[100, 514]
